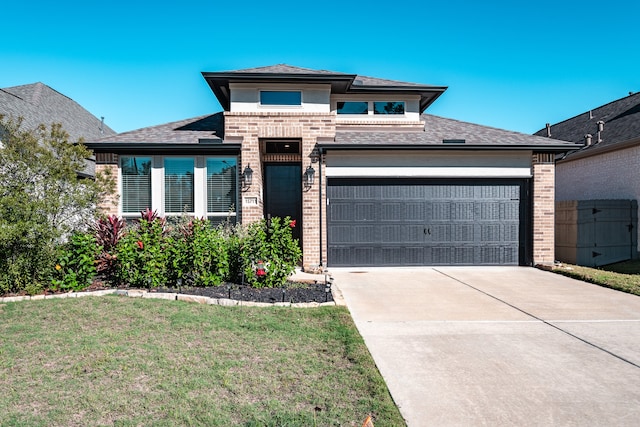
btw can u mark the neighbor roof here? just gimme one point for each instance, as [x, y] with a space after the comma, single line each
[340, 82]
[38, 104]
[443, 133]
[621, 124]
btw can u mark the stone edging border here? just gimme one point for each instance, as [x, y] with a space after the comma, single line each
[141, 293]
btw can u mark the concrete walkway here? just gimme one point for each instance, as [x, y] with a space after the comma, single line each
[499, 346]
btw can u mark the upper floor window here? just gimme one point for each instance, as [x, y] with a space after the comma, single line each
[353, 107]
[279, 97]
[384, 107]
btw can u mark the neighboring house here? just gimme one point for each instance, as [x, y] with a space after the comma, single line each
[37, 104]
[369, 178]
[607, 166]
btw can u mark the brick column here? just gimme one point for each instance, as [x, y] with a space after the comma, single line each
[543, 168]
[109, 204]
[251, 128]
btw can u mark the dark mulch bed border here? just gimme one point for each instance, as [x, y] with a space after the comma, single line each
[294, 292]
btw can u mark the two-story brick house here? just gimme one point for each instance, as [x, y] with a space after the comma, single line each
[369, 178]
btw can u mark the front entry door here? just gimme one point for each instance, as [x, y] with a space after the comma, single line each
[283, 193]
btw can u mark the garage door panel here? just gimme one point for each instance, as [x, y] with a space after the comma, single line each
[340, 234]
[424, 222]
[415, 212]
[413, 234]
[341, 212]
[440, 211]
[392, 211]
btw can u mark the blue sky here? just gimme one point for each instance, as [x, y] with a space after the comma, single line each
[508, 64]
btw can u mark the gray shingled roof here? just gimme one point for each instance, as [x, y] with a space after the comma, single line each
[38, 104]
[284, 69]
[187, 131]
[458, 134]
[290, 69]
[340, 82]
[437, 129]
[621, 123]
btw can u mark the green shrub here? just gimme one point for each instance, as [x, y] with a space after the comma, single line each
[269, 252]
[210, 255]
[141, 255]
[198, 254]
[76, 267]
[42, 201]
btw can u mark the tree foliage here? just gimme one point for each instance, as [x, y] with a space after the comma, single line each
[42, 201]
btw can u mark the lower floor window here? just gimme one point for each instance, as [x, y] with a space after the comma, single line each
[201, 186]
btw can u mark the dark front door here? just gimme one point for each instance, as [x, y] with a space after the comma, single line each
[283, 192]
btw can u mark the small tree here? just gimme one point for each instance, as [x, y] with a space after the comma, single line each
[42, 201]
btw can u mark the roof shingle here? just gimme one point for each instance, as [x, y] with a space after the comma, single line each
[621, 123]
[440, 129]
[39, 104]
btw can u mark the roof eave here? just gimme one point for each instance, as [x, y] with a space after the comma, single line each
[428, 94]
[595, 150]
[163, 148]
[453, 147]
[219, 82]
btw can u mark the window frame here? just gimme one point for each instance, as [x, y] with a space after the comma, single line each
[158, 190]
[166, 212]
[235, 199]
[279, 104]
[136, 212]
[376, 113]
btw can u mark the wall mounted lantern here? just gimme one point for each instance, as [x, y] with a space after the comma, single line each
[247, 178]
[308, 177]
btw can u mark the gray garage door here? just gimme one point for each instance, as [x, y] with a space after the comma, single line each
[419, 222]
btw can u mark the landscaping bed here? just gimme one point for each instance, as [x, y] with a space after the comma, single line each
[293, 292]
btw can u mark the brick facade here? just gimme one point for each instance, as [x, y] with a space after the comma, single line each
[615, 173]
[109, 204]
[252, 128]
[543, 169]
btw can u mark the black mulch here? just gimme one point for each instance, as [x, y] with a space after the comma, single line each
[294, 292]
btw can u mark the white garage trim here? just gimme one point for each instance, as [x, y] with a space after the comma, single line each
[428, 172]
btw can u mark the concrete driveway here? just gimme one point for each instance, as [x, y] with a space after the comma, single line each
[516, 346]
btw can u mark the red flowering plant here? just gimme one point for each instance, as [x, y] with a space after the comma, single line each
[269, 252]
[292, 223]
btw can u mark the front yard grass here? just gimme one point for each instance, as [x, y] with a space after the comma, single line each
[622, 276]
[127, 361]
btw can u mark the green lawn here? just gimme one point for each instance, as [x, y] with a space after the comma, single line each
[129, 361]
[623, 276]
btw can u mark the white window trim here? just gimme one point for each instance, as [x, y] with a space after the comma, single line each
[158, 189]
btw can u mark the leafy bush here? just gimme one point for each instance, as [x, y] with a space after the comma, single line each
[108, 232]
[42, 201]
[198, 254]
[269, 252]
[76, 267]
[141, 256]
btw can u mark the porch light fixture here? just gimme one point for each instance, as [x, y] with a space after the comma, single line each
[247, 177]
[308, 177]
